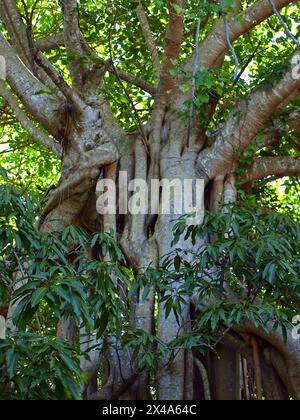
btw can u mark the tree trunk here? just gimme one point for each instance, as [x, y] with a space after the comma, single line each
[146, 240]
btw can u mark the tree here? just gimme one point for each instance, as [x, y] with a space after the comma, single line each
[128, 87]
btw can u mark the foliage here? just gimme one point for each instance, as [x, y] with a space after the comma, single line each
[31, 168]
[251, 255]
[49, 277]
[37, 366]
[280, 195]
[254, 252]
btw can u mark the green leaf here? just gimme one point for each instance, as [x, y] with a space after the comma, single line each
[177, 262]
[174, 71]
[44, 92]
[38, 295]
[11, 362]
[69, 363]
[185, 87]
[179, 10]
[102, 324]
[203, 98]
[3, 174]
[284, 333]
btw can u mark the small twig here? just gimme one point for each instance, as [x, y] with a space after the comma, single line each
[221, 337]
[29, 34]
[133, 80]
[19, 263]
[246, 64]
[287, 31]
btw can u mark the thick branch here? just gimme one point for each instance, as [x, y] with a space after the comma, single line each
[21, 36]
[73, 39]
[173, 42]
[35, 132]
[277, 166]
[244, 123]
[273, 134]
[50, 42]
[43, 106]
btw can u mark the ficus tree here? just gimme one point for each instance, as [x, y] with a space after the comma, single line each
[160, 90]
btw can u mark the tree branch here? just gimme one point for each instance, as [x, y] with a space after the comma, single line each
[50, 42]
[150, 42]
[195, 68]
[17, 30]
[58, 80]
[57, 40]
[21, 36]
[286, 29]
[134, 80]
[277, 166]
[173, 40]
[34, 131]
[73, 39]
[113, 393]
[243, 124]
[228, 40]
[204, 377]
[135, 112]
[42, 106]
[215, 45]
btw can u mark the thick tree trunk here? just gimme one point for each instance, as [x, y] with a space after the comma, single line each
[143, 249]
